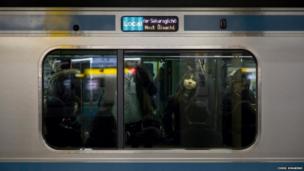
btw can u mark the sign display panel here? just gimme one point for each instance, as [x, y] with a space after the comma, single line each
[149, 23]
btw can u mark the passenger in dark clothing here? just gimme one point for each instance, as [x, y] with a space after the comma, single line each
[62, 107]
[239, 106]
[145, 132]
[186, 118]
[103, 131]
[145, 89]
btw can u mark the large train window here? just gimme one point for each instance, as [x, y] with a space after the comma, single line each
[190, 99]
[79, 99]
[184, 99]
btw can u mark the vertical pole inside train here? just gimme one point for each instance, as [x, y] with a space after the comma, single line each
[120, 98]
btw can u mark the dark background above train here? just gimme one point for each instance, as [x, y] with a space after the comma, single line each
[151, 3]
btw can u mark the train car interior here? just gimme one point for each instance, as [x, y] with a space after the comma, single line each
[188, 99]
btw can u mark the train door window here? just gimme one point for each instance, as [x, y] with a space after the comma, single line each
[190, 99]
[79, 99]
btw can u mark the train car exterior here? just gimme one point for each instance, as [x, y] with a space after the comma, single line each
[112, 89]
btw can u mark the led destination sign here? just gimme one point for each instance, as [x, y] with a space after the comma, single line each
[149, 24]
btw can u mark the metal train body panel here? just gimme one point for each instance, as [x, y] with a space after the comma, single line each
[280, 82]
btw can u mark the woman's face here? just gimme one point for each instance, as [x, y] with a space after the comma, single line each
[189, 84]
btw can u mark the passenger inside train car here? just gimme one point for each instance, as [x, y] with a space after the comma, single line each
[189, 113]
[239, 106]
[63, 104]
[172, 99]
[142, 129]
[79, 99]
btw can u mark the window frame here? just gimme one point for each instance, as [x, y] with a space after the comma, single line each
[120, 54]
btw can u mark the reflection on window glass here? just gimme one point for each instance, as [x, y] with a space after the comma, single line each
[190, 99]
[79, 99]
